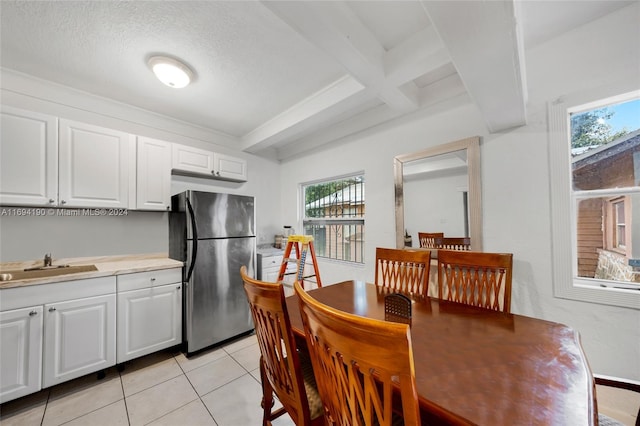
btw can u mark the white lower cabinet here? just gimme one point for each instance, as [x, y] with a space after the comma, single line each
[52, 333]
[269, 269]
[149, 312]
[20, 352]
[79, 338]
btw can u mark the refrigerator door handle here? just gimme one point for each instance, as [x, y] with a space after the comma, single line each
[194, 252]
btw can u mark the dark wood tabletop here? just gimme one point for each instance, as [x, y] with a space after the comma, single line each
[481, 366]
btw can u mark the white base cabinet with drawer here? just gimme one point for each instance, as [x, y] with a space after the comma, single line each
[149, 312]
[52, 333]
[20, 352]
[79, 338]
[269, 269]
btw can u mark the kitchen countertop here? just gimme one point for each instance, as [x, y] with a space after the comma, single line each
[270, 251]
[106, 266]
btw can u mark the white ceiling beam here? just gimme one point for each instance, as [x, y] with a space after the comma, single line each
[485, 45]
[361, 101]
[437, 97]
[419, 54]
[335, 29]
[331, 96]
[448, 87]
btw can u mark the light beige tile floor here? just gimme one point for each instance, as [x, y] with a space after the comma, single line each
[220, 387]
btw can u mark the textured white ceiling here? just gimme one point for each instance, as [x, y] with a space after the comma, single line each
[283, 74]
[249, 65]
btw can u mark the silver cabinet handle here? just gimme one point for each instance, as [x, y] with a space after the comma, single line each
[153, 279]
[63, 202]
[32, 313]
[51, 201]
[178, 288]
[51, 309]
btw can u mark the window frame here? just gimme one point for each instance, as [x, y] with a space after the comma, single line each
[330, 221]
[566, 283]
[612, 221]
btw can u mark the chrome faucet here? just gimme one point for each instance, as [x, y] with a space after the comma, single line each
[47, 260]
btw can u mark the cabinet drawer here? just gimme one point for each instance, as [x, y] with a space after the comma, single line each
[274, 262]
[141, 280]
[269, 267]
[20, 297]
[271, 262]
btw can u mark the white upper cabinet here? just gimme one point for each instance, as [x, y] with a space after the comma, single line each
[229, 168]
[153, 180]
[192, 160]
[28, 158]
[189, 160]
[55, 162]
[97, 166]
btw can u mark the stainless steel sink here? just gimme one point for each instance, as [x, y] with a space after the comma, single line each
[44, 272]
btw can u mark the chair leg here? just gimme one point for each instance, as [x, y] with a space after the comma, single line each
[267, 396]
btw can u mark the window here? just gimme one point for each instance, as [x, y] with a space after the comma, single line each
[334, 216]
[595, 185]
[616, 225]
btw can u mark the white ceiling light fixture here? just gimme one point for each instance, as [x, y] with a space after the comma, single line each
[170, 71]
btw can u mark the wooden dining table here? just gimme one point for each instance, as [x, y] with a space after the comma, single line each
[477, 366]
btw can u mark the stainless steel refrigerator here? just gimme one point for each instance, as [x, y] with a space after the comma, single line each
[214, 234]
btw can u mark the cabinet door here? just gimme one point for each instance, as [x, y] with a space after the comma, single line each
[97, 166]
[229, 168]
[271, 275]
[79, 338]
[268, 266]
[149, 320]
[28, 158]
[192, 160]
[153, 174]
[20, 352]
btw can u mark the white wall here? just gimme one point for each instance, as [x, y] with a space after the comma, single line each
[515, 179]
[27, 238]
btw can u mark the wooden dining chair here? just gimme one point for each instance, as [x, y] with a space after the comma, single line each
[284, 370]
[476, 278]
[452, 243]
[404, 271]
[619, 383]
[360, 364]
[427, 239]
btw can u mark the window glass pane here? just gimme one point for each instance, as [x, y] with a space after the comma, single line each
[334, 215]
[619, 224]
[605, 147]
[601, 239]
[590, 235]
